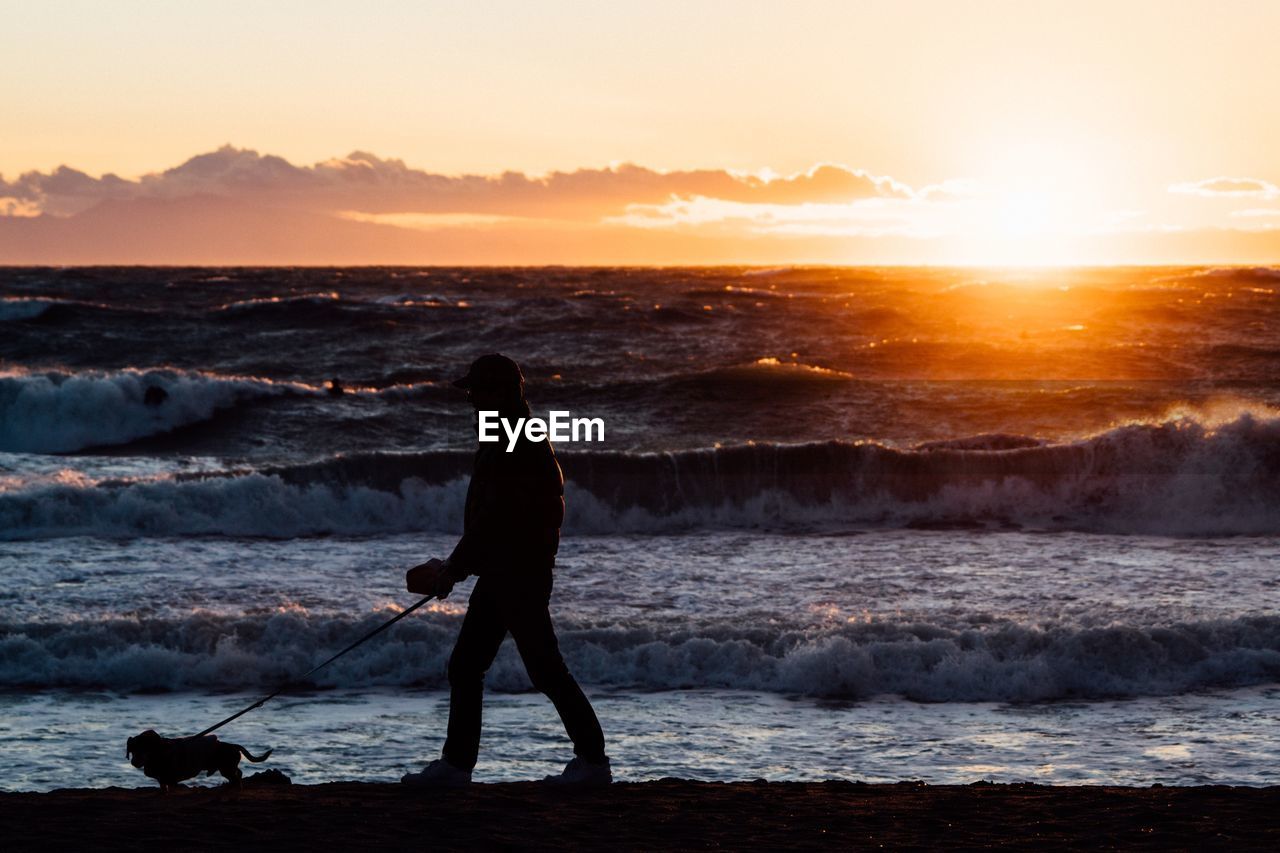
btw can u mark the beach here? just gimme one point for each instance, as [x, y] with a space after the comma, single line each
[664, 814]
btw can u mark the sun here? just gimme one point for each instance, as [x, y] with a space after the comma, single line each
[1015, 227]
[1023, 213]
[1032, 201]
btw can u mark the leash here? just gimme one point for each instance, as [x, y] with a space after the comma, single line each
[384, 626]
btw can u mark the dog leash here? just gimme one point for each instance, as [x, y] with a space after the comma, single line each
[384, 626]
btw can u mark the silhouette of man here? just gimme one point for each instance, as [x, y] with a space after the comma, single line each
[511, 531]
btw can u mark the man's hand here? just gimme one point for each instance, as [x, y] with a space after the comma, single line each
[430, 578]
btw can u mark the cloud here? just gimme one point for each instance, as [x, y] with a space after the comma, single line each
[18, 207]
[216, 230]
[235, 205]
[1228, 187]
[211, 230]
[365, 183]
[430, 221]
[873, 217]
[953, 189]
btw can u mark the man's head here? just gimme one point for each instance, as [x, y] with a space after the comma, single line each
[493, 382]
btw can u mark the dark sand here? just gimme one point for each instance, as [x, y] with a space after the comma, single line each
[669, 814]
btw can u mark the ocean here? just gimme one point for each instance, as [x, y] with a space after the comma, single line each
[845, 523]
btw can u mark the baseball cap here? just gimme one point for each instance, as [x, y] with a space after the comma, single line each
[492, 371]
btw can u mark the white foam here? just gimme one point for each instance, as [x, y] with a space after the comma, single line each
[1002, 662]
[319, 298]
[55, 412]
[249, 505]
[414, 300]
[1184, 477]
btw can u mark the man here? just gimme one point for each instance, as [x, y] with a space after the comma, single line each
[511, 531]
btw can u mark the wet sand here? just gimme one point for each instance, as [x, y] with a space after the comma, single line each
[667, 814]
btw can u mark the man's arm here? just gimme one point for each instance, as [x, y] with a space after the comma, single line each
[466, 557]
[430, 578]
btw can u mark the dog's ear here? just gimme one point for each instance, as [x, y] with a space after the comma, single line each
[128, 748]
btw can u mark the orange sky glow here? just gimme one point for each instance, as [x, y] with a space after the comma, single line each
[910, 132]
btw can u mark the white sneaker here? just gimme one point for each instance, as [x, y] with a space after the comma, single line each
[584, 773]
[439, 773]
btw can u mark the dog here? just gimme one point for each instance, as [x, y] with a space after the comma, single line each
[171, 760]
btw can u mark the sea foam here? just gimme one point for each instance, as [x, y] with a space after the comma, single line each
[1001, 662]
[1181, 477]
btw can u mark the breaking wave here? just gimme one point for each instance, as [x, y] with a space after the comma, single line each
[925, 662]
[54, 309]
[56, 412]
[1182, 477]
[23, 307]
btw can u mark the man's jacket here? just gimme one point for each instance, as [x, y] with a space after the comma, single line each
[515, 506]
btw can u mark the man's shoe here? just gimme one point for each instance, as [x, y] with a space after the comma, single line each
[439, 773]
[583, 773]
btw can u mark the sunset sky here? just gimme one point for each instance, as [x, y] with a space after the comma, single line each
[657, 132]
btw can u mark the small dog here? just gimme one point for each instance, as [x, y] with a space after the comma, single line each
[171, 760]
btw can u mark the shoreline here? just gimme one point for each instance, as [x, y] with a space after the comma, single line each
[664, 814]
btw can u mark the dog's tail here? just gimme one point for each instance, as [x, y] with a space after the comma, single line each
[249, 755]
